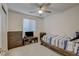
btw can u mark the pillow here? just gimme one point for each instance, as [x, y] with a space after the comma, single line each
[44, 38]
[72, 35]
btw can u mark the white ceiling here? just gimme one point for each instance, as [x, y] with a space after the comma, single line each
[27, 8]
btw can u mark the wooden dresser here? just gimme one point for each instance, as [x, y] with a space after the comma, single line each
[14, 39]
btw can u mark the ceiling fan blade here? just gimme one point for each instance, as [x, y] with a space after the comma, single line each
[32, 11]
[39, 4]
[47, 4]
[48, 11]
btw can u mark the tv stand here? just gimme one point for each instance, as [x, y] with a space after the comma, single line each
[30, 40]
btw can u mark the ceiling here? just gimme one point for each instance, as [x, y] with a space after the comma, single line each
[28, 8]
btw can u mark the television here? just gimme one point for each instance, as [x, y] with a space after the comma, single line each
[29, 34]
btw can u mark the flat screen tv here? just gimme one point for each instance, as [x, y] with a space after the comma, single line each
[29, 34]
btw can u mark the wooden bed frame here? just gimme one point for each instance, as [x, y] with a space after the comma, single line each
[54, 48]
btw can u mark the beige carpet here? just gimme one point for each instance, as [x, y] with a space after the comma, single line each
[34, 49]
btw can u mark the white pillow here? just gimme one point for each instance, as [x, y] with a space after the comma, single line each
[44, 38]
[72, 35]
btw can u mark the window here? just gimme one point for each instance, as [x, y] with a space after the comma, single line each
[29, 25]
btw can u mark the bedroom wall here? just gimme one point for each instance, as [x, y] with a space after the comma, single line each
[65, 23]
[15, 28]
[15, 22]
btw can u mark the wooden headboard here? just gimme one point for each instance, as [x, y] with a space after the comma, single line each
[41, 35]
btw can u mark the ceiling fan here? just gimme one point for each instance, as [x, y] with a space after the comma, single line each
[42, 8]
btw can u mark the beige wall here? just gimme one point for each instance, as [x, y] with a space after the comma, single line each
[39, 26]
[15, 22]
[3, 27]
[63, 23]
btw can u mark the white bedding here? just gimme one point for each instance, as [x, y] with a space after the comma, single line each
[70, 46]
[62, 42]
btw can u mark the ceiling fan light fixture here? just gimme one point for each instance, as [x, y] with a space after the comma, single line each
[40, 11]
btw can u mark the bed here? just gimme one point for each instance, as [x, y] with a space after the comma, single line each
[60, 44]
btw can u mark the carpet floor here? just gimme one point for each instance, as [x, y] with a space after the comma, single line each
[34, 49]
